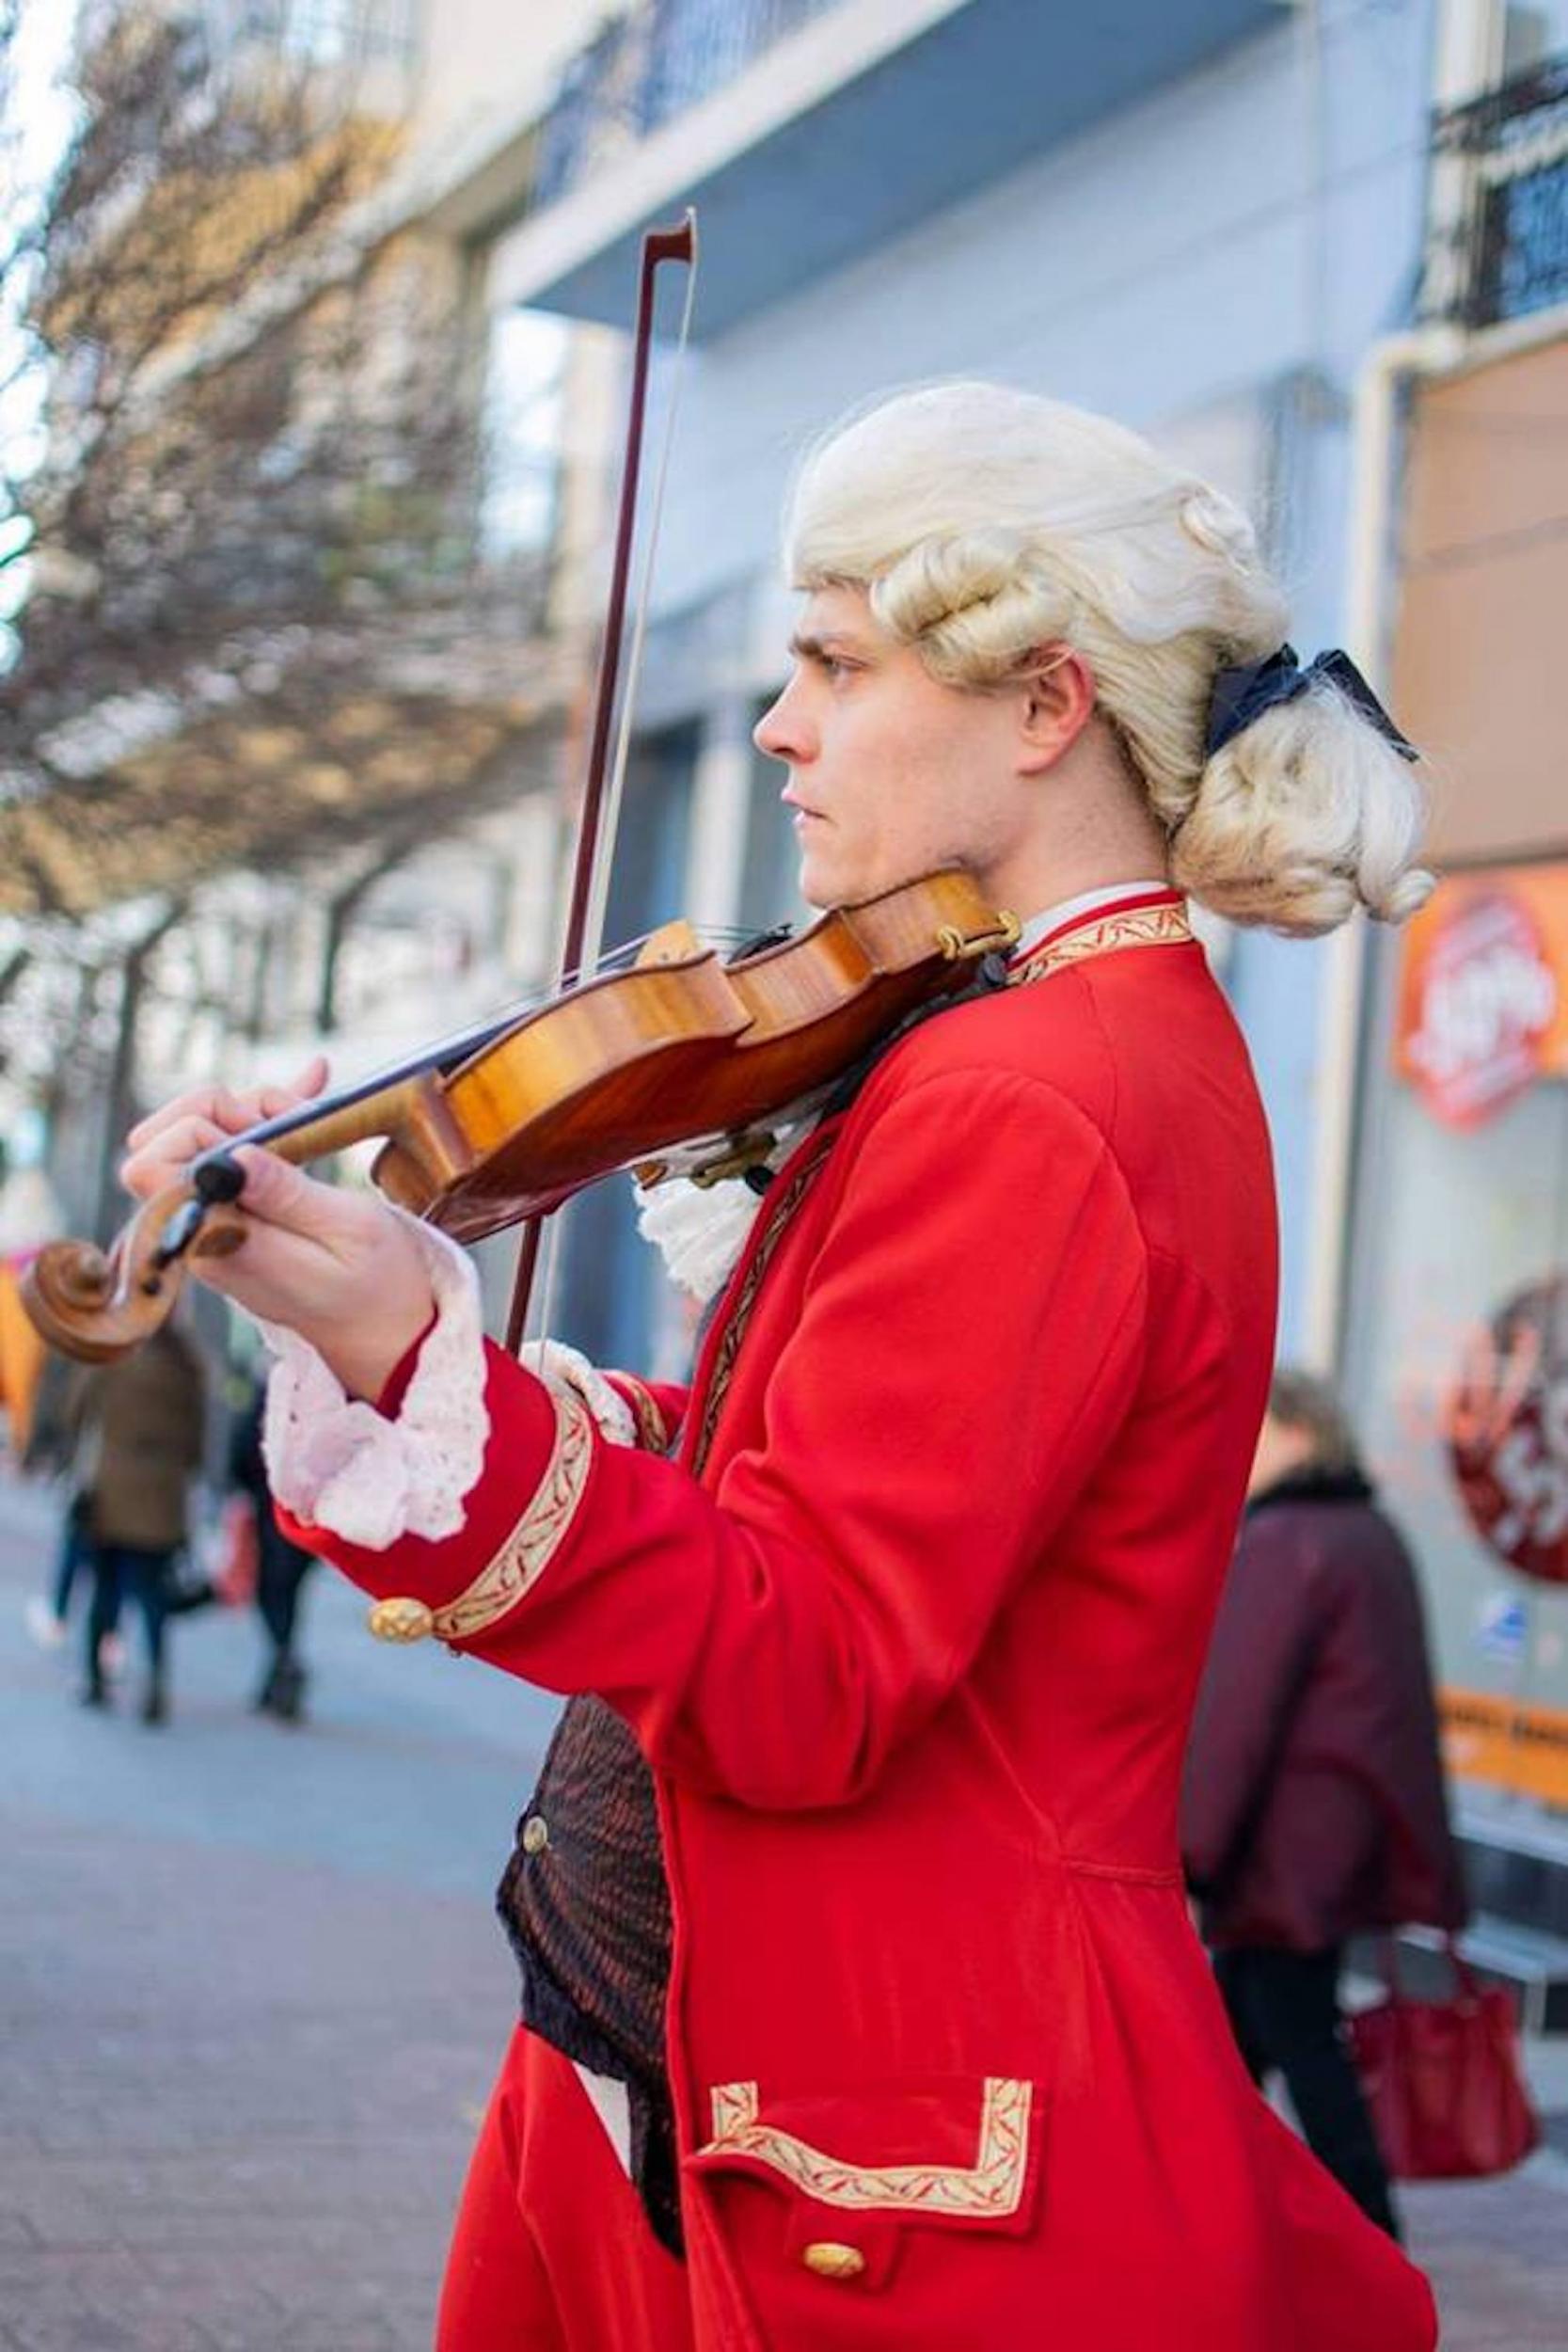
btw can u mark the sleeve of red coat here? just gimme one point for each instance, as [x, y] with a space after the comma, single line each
[970, 1339]
[659, 1407]
[1256, 1666]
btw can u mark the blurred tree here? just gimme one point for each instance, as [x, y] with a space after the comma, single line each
[245, 523]
[239, 474]
[178, 190]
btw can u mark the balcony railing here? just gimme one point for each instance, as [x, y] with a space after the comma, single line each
[1501, 245]
[319, 32]
[645, 68]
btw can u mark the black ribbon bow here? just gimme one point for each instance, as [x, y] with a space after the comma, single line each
[1244, 693]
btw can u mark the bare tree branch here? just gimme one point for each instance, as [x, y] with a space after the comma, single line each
[306, 477]
[255, 632]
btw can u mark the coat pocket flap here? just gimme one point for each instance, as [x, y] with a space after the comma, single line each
[954, 2153]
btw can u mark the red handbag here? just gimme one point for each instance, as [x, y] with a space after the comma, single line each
[239, 1550]
[1443, 2082]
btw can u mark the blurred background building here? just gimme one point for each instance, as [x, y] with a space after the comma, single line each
[1455, 1340]
[319, 788]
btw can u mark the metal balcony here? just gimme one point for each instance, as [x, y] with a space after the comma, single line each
[318, 32]
[1499, 247]
[809, 132]
[642, 70]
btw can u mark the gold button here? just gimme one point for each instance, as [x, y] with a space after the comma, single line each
[536, 1834]
[829, 2260]
[401, 1619]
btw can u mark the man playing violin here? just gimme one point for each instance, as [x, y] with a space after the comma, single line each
[860, 2001]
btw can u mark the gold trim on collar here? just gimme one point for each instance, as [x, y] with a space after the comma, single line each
[770, 1230]
[526, 1553]
[992, 2188]
[1158, 926]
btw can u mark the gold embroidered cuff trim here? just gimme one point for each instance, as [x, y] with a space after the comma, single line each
[992, 2188]
[652, 1435]
[524, 1556]
[1135, 927]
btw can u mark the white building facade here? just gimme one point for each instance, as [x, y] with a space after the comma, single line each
[1197, 217]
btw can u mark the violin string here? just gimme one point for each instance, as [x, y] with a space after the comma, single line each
[599, 899]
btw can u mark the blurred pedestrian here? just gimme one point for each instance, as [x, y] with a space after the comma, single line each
[55, 1450]
[144, 1417]
[48, 1620]
[281, 1568]
[22, 1359]
[1314, 1807]
[29, 1214]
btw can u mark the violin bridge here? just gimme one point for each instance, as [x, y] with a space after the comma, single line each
[708, 1163]
[672, 943]
[740, 1153]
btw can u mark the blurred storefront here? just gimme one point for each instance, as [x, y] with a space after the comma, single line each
[1457, 1329]
[1463, 1315]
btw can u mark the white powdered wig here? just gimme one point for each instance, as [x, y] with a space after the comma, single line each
[992, 525]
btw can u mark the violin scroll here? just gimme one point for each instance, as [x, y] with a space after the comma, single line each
[97, 1305]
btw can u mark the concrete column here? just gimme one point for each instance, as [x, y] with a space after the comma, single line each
[720, 809]
[119, 1098]
[537, 882]
[1468, 43]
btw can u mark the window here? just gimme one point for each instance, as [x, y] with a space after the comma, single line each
[524, 395]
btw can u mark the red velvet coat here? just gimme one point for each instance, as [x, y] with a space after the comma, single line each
[912, 1659]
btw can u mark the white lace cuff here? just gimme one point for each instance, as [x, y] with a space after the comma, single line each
[567, 1371]
[335, 1462]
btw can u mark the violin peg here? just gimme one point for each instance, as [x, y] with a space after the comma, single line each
[223, 1232]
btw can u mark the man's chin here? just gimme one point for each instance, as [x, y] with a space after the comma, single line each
[819, 887]
[824, 886]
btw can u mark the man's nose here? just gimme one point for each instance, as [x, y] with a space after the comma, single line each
[782, 731]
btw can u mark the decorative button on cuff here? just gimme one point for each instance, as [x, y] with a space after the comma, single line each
[826, 2258]
[401, 1619]
[536, 1834]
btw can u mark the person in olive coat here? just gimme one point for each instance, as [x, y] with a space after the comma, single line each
[1313, 1807]
[141, 1421]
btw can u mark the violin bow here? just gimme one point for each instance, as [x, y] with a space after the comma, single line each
[600, 813]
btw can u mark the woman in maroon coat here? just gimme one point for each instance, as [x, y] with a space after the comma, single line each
[888, 1630]
[1314, 1807]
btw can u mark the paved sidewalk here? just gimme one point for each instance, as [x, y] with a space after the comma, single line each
[251, 1996]
[251, 1992]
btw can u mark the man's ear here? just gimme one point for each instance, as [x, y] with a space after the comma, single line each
[1058, 698]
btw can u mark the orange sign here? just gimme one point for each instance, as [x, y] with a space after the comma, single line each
[1507, 1428]
[1483, 991]
[1506, 1743]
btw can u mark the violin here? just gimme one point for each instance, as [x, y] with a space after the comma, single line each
[679, 1050]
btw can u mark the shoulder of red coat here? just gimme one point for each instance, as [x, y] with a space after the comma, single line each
[1052, 1034]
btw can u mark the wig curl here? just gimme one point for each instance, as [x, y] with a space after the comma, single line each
[989, 526]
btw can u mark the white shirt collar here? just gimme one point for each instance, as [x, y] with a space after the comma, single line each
[1040, 926]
